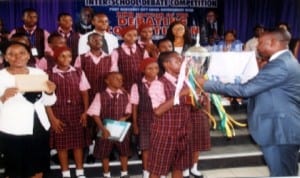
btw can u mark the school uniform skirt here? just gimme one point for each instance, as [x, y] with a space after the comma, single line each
[24, 156]
[144, 123]
[200, 131]
[74, 135]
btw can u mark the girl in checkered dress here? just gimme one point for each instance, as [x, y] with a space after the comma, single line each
[200, 135]
[171, 129]
[142, 112]
[113, 103]
[129, 56]
[68, 115]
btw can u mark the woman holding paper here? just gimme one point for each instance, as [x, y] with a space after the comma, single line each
[24, 125]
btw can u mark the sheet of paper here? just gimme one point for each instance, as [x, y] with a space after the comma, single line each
[31, 83]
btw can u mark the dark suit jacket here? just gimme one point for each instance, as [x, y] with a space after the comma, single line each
[274, 101]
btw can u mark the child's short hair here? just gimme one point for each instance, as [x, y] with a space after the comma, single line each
[110, 74]
[52, 36]
[162, 58]
[162, 40]
[62, 14]
[93, 34]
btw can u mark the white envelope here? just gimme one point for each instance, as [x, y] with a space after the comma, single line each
[31, 83]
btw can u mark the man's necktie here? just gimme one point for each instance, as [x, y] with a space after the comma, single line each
[104, 45]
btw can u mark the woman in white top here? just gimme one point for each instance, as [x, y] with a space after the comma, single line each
[24, 123]
[180, 36]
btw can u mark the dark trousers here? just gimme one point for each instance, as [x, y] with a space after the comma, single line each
[282, 160]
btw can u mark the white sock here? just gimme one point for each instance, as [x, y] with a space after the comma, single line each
[106, 174]
[124, 173]
[186, 173]
[79, 172]
[146, 174]
[163, 176]
[195, 170]
[53, 152]
[91, 148]
[66, 173]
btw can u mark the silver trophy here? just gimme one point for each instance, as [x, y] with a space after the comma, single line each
[198, 58]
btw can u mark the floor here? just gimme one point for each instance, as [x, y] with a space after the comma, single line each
[242, 172]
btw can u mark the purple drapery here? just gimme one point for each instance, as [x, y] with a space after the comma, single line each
[241, 15]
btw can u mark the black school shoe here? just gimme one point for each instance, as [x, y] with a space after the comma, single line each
[201, 176]
[126, 176]
[90, 159]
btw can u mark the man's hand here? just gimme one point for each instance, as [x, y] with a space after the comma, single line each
[201, 80]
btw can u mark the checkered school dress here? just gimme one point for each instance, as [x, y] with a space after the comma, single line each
[95, 73]
[129, 66]
[112, 108]
[201, 131]
[170, 137]
[68, 108]
[145, 116]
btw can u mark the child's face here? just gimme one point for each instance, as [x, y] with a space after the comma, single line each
[130, 37]
[147, 33]
[100, 22]
[151, 70]
[174, 64]
[95, 42]
[165, 46]
[64, 59]
[58, 42]
[65, 22]
[114, 81]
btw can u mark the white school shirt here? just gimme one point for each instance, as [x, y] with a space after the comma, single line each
[83, 47]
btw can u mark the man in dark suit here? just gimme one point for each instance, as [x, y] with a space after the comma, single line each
[274, 103]
[211, 29]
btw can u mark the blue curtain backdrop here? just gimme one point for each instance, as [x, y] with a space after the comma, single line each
[241, 15]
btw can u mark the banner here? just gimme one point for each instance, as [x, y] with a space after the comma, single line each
[159, 13]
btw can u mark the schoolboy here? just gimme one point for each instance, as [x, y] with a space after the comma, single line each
[112, 103]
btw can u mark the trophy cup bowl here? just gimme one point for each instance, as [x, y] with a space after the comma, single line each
[199, 59]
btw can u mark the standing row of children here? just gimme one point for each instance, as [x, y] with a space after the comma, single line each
[99, 85]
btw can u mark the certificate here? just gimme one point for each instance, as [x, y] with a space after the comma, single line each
[31, 83]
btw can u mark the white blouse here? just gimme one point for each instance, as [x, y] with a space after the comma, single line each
[16, 113]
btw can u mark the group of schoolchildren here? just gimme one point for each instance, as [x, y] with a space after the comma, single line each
[134, 82]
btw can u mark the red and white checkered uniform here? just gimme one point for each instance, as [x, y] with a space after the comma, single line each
[170, 135]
